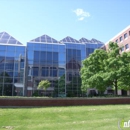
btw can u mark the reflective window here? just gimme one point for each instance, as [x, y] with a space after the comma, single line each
[9, 74]
[61, 48]
[62, 57]
[53, 71]
[55, 56]
[69, 77]
[10, 54]
[35, 71]
[9, 66]
[45, 71]
[61, 72]
[16, 66]
[30, 46]
[49, 45]
[55, 47]
[126, 46]
[20, 49]
[30, 55]
[49, 58]
[125, 35]
[30, 62]
[19, 54]
[43, 46]
[37, 47]
[2, 53]
[18, 80]
[36, 57]
[22, 63]
[2, 66]
[16, 74]
[2, 48]
[11, 48]
[43, 58]
[89, 51]
[121, 38]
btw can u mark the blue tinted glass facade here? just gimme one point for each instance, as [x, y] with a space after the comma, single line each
[75, 53]
[90, 47]
[46, 61]
[44, 58]
[12, 70]
[60, 63]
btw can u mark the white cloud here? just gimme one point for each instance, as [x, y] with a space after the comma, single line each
[81, 18]
[81, 14]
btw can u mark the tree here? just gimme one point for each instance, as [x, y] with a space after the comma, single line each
[117, 67]
[93, 70]
[106, 68]
[44, 84]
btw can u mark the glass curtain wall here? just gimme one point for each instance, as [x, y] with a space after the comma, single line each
[90, 47]
[46, 61]
[12, 70]
[75, 53]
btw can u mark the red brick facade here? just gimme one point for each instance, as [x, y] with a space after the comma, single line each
[122, 38]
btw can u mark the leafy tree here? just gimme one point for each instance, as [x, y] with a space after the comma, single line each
[44, 84]
[106, 68]
[59, 86]
[117, 68]
[93, 70]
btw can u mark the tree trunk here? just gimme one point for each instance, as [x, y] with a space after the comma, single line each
[115, 84]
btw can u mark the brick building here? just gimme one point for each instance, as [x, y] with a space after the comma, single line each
[123, 40]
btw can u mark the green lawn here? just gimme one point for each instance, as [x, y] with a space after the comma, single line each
[64, 118]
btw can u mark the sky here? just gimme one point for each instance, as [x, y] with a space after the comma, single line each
[29, 19]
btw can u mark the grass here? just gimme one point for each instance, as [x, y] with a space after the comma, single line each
[64, 118]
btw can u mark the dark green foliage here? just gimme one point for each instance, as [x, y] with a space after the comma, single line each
[8, 89]
[59, 88]
[103, 69]
[35, 94]
[73, 89]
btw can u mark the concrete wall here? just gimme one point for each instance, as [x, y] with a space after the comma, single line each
[36, 102]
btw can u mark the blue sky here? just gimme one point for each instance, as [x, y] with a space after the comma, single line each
[99, 19]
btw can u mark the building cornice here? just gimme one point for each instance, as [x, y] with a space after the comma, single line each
[118, 34]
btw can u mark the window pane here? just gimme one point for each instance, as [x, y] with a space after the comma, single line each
[2, 53]
[35, 71]
[126, 46]
[45, 71]
[2, 48]
[19, 49]
[10, 48]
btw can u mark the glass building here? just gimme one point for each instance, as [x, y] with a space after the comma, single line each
[46, 61]
[12, 66]
[44, 58]
[59, 62]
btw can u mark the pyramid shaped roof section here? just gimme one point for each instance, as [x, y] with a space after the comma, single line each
[84, 40]
[96, 41]
[5, 38]
[69, 39]
[45, 39]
